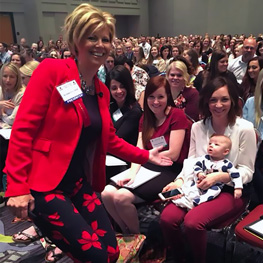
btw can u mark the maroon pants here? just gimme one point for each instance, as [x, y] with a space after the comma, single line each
[196, 222]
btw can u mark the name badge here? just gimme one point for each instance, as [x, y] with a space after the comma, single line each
[117, 115]
[69, 91]
[159, 141]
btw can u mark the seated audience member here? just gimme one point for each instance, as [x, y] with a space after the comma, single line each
[213, 161]
[138, 56]
[239, 65]
[119, 50]
[139, 76]
[253, 110]
[250, 79]
[105, 69]
[160, 118]
[11, 93]
[259, 51]
[217, 67]
[125, 110]
[4, 55]
[192, 57]
[145, 46]
[177, 50]
[17, 59]
[219, 106]
[65, 53]
[230, 49]
[202, 56]
[166, 53]
[129, 50]
[53, 54]
[185, 96]
[27, 71]
[207, 46]
[155, 59]
[28, 54]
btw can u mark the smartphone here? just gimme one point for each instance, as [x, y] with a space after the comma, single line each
[169, 194]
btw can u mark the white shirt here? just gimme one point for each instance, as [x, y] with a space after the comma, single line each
[238, 67]
[146, 49]
[243, 151]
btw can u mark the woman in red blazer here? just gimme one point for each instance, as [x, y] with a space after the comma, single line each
[58, 145]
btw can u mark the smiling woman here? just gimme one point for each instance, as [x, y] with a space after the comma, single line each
[125, 110]
[161, 122]
[184, 94]
[52, 175]
[220, 109]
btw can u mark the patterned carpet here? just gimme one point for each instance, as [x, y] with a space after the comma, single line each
[35, 253]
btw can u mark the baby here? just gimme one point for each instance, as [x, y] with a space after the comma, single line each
[219, 146]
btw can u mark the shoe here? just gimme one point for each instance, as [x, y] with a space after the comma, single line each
[29, 238]
[18, 220]
[56, 256]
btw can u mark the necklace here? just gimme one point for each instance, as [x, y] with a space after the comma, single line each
[89, 90]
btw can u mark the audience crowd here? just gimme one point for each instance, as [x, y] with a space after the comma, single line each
[174, 92]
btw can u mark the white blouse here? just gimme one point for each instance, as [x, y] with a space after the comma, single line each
[243, 151]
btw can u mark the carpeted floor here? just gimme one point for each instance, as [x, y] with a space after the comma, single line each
[35, 253]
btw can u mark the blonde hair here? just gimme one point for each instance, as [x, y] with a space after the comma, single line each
[16, 71]
[258, 98]
[86, 18]
[181, 66]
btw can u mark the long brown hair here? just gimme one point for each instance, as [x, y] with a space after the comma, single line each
[149, 119]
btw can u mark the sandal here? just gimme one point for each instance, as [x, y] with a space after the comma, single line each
[55, 256]
[29, 238]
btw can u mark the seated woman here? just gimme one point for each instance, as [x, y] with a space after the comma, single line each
[17, 59]
[202, 56]
[138, 56]
[159, 119]
[166, 53]
[250, 78]
[125, 110]
[217, 67]
[11, 93]
[104, 70]
[155, 59]
[253, 110]
[192, 56]
[219, 106]
[185, 96]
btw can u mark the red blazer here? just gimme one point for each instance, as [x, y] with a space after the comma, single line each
[46, 132]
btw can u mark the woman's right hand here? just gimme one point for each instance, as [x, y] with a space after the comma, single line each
[20, 205]
[128, 180]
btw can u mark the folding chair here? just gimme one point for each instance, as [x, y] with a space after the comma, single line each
[241, 235]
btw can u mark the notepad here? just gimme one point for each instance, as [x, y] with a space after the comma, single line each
[114, 161]
[5, 133]
[256, 228]
[144, 175]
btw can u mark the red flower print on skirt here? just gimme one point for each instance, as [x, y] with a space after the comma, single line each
[51, 196]
[88, 241]
[54, 219]
[99, 232]
[91, 201]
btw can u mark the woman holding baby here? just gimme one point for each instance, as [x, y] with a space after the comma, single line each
[220, 110]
